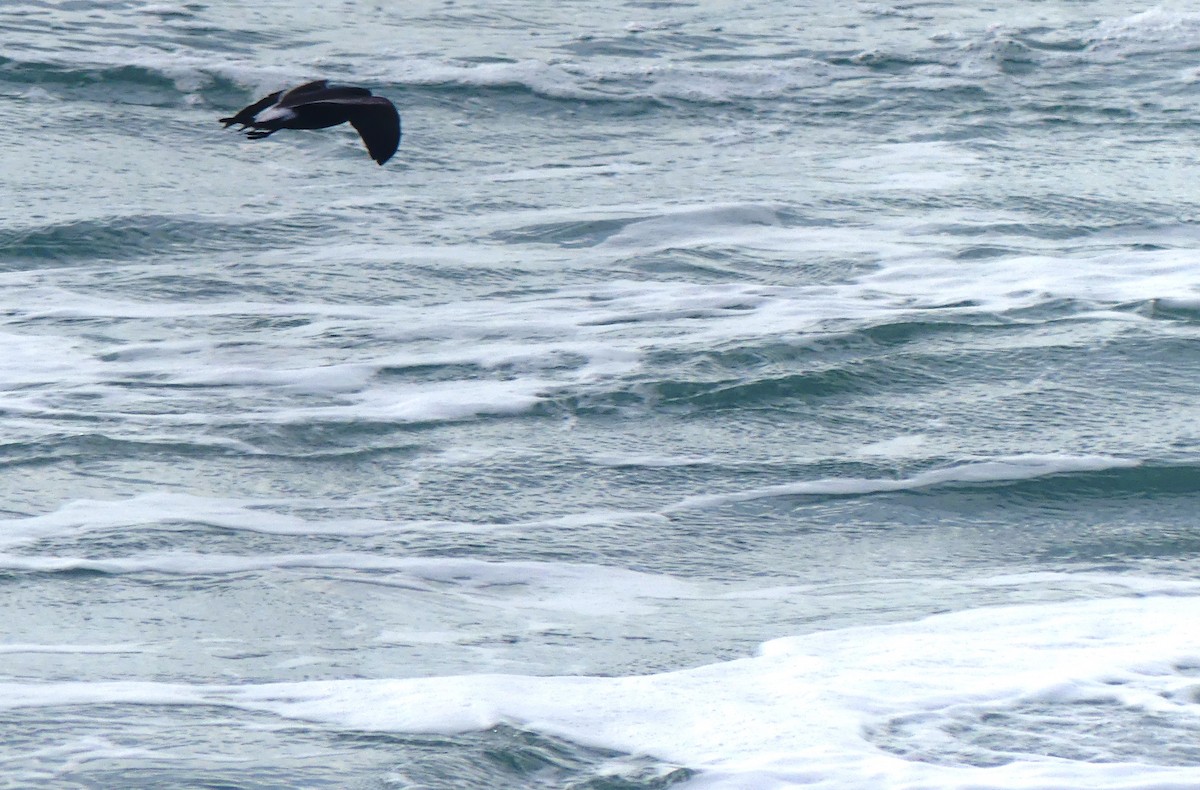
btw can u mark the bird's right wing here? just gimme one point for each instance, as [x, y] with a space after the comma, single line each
[378, 124]
[374, 118]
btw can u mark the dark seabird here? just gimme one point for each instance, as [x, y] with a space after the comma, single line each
[318, 105]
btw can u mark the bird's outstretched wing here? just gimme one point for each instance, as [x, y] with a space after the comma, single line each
[376, 121]
[307, 87]
[378, 124]
[320, 90]
[245, 115]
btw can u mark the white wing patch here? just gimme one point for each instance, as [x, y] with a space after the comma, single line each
[274, 113]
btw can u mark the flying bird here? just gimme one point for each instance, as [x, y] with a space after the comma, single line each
[317, 105]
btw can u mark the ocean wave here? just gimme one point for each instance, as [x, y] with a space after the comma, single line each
[125, 237]
[1155, 30]
[186, 74]
[172, 510]
[646, 63]
[54, 446]
[580, 588]
[752, 391]
[64, 73]
[903, 328]
[1097, 472]
[637, 81]
[69, 649]
[835, 708]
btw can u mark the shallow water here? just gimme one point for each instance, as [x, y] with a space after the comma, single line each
[717, 395]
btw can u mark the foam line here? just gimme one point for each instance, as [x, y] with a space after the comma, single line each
[999, 470]
[802, 712]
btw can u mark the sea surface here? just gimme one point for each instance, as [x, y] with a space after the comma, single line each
[708, 394]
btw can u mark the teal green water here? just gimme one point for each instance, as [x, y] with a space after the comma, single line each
[671, 329]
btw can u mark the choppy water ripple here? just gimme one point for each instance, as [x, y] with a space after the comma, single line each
[671, 330]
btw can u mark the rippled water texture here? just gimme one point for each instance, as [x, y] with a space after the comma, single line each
[740, 395]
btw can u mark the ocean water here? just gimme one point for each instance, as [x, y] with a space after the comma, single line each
[707, 395]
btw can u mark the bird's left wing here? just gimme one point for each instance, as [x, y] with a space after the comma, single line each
[246, 114]
[320, 91]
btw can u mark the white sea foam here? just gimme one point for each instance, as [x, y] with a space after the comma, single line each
[1154, 30]
[545, 343]
[167, 510]
[323, 379]
[1138, 585]
[33, 359]
[73, 753]
[72, 649]
[565, 171]
[998, 470]
[452, 400]
[808, 711]
[483, 334]
[586, 590]
[897, 447]
[653, 461]
[1024, 281]
[746, 225]
[911, 166]
[690, 226]
[632, 81]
